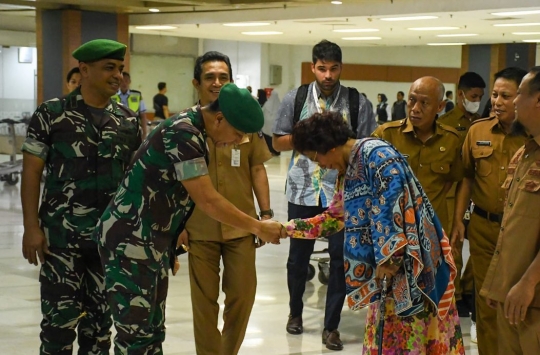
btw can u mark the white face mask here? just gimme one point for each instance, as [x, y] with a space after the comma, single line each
[471, 107]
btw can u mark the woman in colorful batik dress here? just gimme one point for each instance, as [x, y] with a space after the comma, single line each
[391, 231]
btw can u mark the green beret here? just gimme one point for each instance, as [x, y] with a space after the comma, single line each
[98, 49]
[240, 109]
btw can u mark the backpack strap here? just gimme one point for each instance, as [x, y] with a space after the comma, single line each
[354, 107]
[354, 104]
[301, 95]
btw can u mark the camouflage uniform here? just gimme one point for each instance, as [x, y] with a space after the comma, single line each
[141, 224]
[84, 165]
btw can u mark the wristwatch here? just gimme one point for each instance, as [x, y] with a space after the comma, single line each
[269, 213]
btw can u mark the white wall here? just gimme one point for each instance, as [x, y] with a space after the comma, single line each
[17, 83]
[149, 44]
[245, 58]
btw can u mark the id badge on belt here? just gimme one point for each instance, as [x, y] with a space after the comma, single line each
[235, 158]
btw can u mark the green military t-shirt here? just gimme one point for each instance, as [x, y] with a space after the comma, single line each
[151, 203]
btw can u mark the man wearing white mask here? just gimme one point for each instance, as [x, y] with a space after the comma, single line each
[470, 91]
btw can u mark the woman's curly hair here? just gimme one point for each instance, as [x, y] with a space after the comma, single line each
[321, 132]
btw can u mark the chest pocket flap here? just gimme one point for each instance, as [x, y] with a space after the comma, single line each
[480, 155]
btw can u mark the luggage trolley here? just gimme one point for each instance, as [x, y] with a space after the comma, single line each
[323, 263]
[12, 135]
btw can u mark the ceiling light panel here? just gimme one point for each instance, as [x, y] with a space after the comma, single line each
[433, 28]
[262, 33]
[516, 13]
[408, 18]
[361, 38]
[356, 30]
[246, 24]
[163, 27]
[517, 24]
[446, 44]
[459, 35]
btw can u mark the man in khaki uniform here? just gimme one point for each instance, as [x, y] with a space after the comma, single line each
[432, 149]
[512, 281]
[487, 149]
[470, 92]
[236, 172]
[471, 88]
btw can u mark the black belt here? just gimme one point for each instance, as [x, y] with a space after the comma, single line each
[487, 215]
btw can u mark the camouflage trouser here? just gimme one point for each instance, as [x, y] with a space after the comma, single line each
[137, 295]
[73, 297]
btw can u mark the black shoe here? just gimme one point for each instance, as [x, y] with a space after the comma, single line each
[332, 340]
[463, 309]
[294, 325]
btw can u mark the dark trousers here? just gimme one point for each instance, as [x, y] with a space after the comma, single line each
[297, 268]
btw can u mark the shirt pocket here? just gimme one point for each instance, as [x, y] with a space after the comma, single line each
[530, 185]
[481, 155]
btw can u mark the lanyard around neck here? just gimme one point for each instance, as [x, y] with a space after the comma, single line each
[318, 105]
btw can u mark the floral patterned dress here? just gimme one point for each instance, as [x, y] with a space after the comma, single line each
[386, 214]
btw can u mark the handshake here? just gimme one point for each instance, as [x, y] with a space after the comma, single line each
[271, 231]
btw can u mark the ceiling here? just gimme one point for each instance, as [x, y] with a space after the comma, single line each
[307, 22]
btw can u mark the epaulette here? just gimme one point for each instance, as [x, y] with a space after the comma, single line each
[448, 128]
[390, 124]
[446, 114]
[393, 124]
[483, 119]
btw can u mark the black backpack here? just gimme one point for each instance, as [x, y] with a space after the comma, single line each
[354, 104]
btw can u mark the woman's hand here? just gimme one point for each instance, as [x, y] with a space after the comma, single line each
[386, 269]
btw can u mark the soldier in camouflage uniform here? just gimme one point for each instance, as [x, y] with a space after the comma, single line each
[85, 140]
[139, 228]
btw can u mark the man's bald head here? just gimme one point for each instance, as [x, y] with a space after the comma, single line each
[431, 84]
[425, 101]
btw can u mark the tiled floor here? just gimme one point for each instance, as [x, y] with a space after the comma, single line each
[20, 311]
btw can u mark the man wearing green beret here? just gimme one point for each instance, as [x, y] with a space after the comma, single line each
[137, 234]
[85, 140]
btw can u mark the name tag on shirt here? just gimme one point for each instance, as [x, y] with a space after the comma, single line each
[235, 158]
[483, 143]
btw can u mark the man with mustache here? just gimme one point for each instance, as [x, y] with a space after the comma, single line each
[137, 234]
[512, 280]
[488, 147]
[431, 148]
[85, 140]
[310, 189]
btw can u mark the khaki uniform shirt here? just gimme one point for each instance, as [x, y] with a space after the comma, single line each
[435, 162]
[487, 150]
[456, 119]
[519, 239]
[234, 183]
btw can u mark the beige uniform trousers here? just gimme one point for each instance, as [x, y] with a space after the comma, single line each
[239, 285]
[483, 236]
[521, 339]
